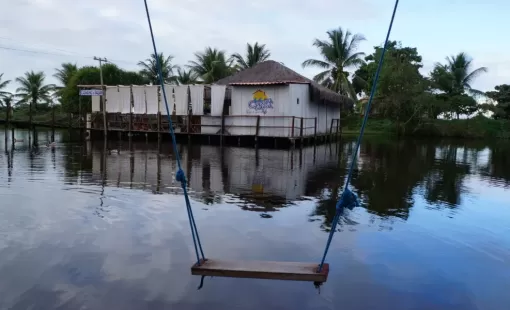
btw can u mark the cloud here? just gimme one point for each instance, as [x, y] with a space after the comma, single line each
[118, 30]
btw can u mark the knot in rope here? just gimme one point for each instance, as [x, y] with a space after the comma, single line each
[180, 176]
[348, 200]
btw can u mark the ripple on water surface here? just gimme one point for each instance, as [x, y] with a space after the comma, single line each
[80, 228]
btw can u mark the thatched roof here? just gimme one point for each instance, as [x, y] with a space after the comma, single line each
[273, 73]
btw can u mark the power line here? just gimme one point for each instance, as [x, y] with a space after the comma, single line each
[9, 48]
[26, 43]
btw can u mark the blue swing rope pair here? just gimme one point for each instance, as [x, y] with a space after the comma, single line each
[347, 200]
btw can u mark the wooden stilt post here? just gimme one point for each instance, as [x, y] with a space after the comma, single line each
[79, 112]
[30, 114]
[53, 123]
[222, 130]
[292, 130]
[159, 127]
[131, 104]
[7, 117]
[257, 130]
[301, 132]
[315, 130]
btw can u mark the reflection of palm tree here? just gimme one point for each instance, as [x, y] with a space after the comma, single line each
[498, 166]
[326, 208]
[444, 183]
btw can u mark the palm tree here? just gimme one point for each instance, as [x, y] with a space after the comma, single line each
[211, 65]
[33, 91]
[150, 68]
[456, 76]
[65, 73]
[339, 54]
[3, 85]
[7, 101]
[254, 54]
[184, 77]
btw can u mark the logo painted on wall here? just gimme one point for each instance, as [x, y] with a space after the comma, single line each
[260, 102]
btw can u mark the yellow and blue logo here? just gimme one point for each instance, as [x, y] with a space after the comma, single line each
[260, 102]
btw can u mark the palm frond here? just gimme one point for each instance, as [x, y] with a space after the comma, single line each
[315, 63]
[321, 77]
[474, 74]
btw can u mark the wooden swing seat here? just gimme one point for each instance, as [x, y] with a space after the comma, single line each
[261, 270]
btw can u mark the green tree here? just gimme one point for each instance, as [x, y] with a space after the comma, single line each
[33, 90]
[186, 77]
[254, 54]
[401, 93]
[338, 54]
[112, 75]
[211, 65]
[453, 80]
[501, 96]
[150, 68]
[456, 76]
[395, 54]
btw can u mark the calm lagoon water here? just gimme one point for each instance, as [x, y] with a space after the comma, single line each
[84, 229]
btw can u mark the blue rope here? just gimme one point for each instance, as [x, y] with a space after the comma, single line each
[180, 176]
[348, 199]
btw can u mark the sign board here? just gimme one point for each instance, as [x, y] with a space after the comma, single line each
[91, 92]
[260, 103]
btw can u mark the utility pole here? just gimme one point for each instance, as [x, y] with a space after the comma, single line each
[101, 60]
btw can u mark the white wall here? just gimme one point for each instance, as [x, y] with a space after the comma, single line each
[242, 95]
[285, 105]
[325, 113]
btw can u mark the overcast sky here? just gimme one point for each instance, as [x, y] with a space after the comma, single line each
[74, 31]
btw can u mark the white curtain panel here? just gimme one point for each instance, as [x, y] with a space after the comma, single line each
[169, 90]
[181, 99]
[197, 99]
[217, 99]
[139, 101]
[125, 100]
[96, 103]
[151, 96]
[112, 99]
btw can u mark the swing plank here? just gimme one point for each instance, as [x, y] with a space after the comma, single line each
[261, 270]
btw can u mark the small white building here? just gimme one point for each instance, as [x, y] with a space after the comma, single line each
[288, 103]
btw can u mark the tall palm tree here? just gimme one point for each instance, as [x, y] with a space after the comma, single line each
[211, 65]
[456, 76]
[150, 68]
[338, 54]
[254, 54]
[185, 77]
[3, 85]
[32, 90]
[65, 73]
[8, 102]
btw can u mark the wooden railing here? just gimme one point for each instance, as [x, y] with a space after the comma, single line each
[238, 125]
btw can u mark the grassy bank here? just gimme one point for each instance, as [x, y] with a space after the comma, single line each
[474, 128]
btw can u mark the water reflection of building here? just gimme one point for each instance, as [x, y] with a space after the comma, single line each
[259, 176]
